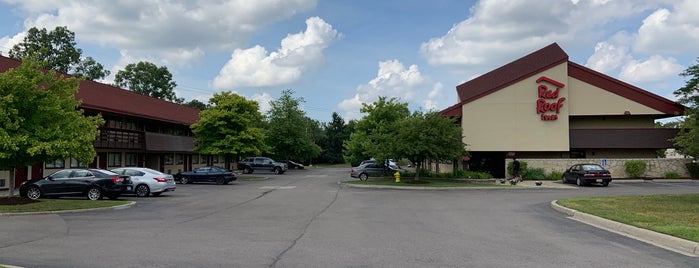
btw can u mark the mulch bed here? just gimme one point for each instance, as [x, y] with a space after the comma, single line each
[15, 200]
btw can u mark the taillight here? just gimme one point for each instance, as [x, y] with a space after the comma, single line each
[117, 179]
[232, 174]
[160, 179]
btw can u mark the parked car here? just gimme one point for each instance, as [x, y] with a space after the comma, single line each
[91, 183]
[366, 170]
[584, 174]
[206, 174]
[250, 164]
[147, 181]
[292, 165]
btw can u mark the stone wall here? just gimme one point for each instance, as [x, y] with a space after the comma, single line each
[655, 167]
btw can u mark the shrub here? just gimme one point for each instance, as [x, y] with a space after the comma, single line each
[555, 175]
[672, 175]
[522, 168]
[475, 175]
[534, 174]
[635, 168]
[693, 169]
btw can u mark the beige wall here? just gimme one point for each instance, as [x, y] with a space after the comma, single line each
[586, 99]
[655, 167]
[507, 120]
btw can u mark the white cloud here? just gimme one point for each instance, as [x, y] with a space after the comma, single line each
[161, 25]
[670, 31]
[254, 68]
[608, 57]
[263, 100]
[431, 103]
[6, 42]
[393, 80]
[656, 68]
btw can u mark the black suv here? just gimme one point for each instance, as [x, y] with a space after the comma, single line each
[250, 164]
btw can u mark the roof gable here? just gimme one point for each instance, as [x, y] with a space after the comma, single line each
[106, 98]
[542, 60]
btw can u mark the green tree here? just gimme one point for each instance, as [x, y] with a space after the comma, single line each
[40, 120]
[196, 104]
[288, 130]
[374, 135]
[147, 79]
[426, 136]
[334, 135]
[230, 127]
[687, 141]
[57, 49]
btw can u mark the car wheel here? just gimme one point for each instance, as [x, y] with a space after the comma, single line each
[184, 180]
[605, 184]
[94, 193]
[277, 171]
[220, 180]
[157, 194]
[363, 177]
[33, 193]
[579, 182]
[248, 170]
[563, 179]
[142, 190]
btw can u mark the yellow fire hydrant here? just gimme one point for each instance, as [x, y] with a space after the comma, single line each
[397, 174]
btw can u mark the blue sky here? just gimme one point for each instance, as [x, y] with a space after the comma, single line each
[338, 54]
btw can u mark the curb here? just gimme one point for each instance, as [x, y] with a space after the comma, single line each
[682, 246]
[125, 206]
[513, 187]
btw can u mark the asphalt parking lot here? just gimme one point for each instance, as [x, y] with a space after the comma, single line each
[304, 218]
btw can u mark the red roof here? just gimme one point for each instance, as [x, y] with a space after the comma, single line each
[106, 98]
[545, 58]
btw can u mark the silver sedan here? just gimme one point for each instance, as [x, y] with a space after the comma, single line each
[148, 181]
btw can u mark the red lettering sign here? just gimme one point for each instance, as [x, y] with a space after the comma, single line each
[549, 102]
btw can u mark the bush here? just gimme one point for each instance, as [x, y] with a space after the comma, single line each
[693, 169]
[555, 175]
[635, 168]
[672, 175]
[475, 175]
[522, 168]
[534, 174]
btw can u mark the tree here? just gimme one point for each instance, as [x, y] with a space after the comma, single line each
[426, 136]
[147, 79]
[374, 134]
[230, 127]
[334, 135]
[288, 131]
[40, 120]
[196, 104]
[687, 140]
[57, 49]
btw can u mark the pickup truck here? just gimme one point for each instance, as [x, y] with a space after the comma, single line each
[250, 164]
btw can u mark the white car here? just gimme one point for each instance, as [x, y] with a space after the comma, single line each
[147, 181]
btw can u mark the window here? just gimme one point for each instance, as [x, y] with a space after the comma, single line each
[63, 174]
[195, 159]
[59, 163]
[131, 159]
[168, 159]
[75, 164]
[178, 159]
[114, 159]
[215, 158]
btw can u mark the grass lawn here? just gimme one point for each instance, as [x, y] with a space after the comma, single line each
[676, 215]
[430, 183]
[59, 204]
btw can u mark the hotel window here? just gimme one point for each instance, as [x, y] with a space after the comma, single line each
[178, 159]
[168, 159]
[59, 163]
[195, 159]
[74, 163]
[131, 159]
[114, 159]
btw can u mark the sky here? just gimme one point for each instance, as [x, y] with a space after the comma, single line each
[338, 54]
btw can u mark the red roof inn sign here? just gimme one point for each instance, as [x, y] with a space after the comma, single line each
[549, 104]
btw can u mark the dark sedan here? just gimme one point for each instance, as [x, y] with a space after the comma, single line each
[91, 183]
[206, 174]
[292, 165]
[366, 170]
[584, 174]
